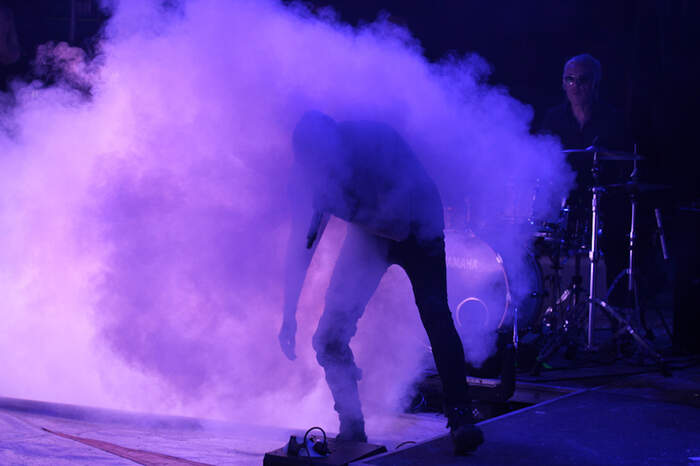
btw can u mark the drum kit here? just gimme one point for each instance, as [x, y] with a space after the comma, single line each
[564, 291]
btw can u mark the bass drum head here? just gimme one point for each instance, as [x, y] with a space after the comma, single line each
[481, 292]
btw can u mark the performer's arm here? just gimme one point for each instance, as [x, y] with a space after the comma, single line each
[307, 228]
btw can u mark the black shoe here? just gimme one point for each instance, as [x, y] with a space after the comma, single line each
[352, 431]
[465, 436]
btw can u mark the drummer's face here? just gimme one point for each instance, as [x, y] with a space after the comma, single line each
[578, 83]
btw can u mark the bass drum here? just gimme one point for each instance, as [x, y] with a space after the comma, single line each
[483, 291]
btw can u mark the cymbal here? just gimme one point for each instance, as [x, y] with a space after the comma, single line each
[636, 186]
[605, 154]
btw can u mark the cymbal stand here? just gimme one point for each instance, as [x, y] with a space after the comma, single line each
[631, 271]
[594, 256]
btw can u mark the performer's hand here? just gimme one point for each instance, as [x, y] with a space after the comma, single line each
[287, 337]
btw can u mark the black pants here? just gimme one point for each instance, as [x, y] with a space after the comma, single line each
[363, 261]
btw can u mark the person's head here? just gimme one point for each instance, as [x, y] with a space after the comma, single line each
[316, 142]
[581, 79]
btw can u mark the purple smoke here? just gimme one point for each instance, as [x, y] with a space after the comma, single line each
[144, 227]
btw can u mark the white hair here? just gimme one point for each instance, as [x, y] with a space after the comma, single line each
[591, 62]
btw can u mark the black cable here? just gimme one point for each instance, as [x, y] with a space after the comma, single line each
[324, 447]
[404, 443]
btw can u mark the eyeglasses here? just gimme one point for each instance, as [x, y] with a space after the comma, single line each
[582, 80]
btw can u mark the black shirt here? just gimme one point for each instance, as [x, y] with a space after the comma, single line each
[605, 128]
[374, 181]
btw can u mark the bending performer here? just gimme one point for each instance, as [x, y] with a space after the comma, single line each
[364, 173]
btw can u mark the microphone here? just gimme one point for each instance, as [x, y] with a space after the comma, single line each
[660, 227]
[634, 175]
[313, 228]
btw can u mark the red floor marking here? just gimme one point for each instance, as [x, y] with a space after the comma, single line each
[146, 458]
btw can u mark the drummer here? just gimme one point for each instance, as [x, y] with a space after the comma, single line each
[583, 119]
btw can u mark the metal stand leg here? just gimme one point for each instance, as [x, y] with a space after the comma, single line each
[594, 255]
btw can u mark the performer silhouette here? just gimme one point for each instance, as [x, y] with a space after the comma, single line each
[364, 173]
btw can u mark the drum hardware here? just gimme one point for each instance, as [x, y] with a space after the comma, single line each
[593, 302]
[482, 296]
[571, 317]
[660, 232]
[481, 293]
[479, 297]
[562, 320]
[557, 242]
[603, 154]
[634, 189]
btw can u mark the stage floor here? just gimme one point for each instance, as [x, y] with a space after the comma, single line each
[598, 416]
[40, 433]
[642, 419]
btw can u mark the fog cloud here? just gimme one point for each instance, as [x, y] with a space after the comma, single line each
[144, 215]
